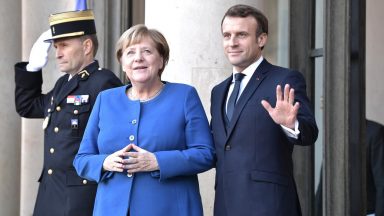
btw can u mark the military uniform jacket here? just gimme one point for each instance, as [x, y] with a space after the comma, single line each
[66, 109]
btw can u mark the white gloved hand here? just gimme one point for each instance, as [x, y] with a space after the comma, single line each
[38, 57]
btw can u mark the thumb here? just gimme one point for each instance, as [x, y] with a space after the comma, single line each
[266, 105]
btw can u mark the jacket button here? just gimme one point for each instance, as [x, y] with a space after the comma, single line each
[56, 130]
[85, 181]
[75, 112]
[227, 147]
[50, 171]
[129, 175]
[58, 108]
[52, 150]
[131, 138]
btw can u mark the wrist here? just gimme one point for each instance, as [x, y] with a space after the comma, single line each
[31, 68]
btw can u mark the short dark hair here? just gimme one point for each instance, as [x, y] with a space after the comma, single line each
[95, 42]
[245, 11]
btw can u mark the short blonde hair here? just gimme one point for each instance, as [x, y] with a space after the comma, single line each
[136, 34]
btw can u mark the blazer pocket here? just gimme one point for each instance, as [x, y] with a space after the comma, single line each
[72, 179]
[77, 110]
[262, 176]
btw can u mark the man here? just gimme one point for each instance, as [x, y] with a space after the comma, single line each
[253, 140]
[66, 108]
[375, 168]
[375, 172]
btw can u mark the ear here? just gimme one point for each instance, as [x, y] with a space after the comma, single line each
[162, 63]
[88, 46]
[262, 39]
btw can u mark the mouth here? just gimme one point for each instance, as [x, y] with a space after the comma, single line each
[140, 67]
[61, 63]
[234, 52]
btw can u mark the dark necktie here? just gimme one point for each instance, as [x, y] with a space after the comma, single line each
[233, 98]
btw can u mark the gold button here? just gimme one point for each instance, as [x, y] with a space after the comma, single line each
[58, 108]
[56, 130]
[129, 175]
[52, 150]
[50, 171]
[85, 181]
[75, 112]
[131, 138]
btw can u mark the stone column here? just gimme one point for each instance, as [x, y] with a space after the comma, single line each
[10, 122]
[193, 31]
[344, 108]
[34, 22]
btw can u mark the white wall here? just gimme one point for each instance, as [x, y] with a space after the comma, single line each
[375, 61]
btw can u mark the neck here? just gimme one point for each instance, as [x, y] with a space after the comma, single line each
[145, 93]
[87, 62]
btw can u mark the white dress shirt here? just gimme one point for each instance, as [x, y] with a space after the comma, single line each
[244, 82]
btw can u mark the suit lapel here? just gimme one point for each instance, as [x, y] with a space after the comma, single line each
[253, 84]
[67, 88]
[221, 97]
[73, 83]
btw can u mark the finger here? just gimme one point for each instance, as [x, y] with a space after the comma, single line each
[131, 160]
[138, 149]
[131, 154]
[296, 108]
[117, 169]
[126, 148]
[118, 159]
[286, 92]
[291, 96]
[278, 93]
[266, 106]
[130, 167]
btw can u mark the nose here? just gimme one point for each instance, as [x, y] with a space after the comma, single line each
[58, 53]
[233, 41]
[138, 56]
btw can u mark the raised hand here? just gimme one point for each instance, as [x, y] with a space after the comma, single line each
[38, 57]
[285, 111]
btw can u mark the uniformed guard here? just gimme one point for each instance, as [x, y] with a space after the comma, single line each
[65, 108]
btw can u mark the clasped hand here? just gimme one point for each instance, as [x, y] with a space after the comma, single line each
[285, 111]
[132, 159]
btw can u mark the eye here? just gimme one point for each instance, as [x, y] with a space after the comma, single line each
[130, 53]
[243, 34]
[147, 51]
[226, 36]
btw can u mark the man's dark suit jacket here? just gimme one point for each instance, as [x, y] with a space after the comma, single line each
[375, 168]
[254, 170]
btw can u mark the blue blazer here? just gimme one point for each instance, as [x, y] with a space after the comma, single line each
[254, 171]
[173, 126]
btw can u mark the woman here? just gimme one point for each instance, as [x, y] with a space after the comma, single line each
[146, 142]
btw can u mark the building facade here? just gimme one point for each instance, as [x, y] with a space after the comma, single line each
[336, 44]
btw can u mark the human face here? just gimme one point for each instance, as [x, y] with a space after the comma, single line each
[142, 62]
[241, 46]
[70, 55]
